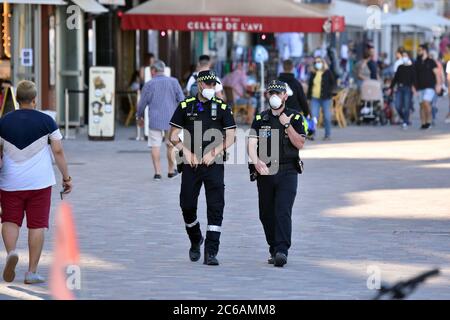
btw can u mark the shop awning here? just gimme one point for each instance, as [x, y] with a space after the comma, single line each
[90, 6]
[417, 17]
[229, 15]
[113, 2]
[49, 2]
[355, 14]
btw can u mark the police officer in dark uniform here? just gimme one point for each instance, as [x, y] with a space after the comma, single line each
[276, 137]
[209, 129]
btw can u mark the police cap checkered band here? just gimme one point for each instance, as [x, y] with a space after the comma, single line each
[207, 76]
[277, 86]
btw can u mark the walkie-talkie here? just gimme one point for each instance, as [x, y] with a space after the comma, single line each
[253, 172]
[214, 111]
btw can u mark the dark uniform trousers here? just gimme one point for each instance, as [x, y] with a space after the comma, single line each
[191, 182]
[276, 198]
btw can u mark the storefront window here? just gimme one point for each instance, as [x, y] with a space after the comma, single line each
[23, 42]
[5, 47]
[52, 50]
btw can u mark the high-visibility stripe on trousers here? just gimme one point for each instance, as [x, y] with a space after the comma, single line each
[212, 178]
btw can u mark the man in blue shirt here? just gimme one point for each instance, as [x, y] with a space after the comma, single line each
[162, 95]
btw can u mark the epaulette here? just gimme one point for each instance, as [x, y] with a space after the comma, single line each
[301, 118]
[186, 101]
[222, 104]
[264, 116]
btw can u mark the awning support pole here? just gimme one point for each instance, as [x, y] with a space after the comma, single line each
[262, 88]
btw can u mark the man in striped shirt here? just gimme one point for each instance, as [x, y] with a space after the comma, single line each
[162, 95]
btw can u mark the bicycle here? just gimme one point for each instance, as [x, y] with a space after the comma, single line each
[403, 289]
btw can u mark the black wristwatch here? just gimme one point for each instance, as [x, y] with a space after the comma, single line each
[287, 125]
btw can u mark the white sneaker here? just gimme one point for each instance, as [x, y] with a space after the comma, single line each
[404, 126]
[447, 120]
[9, 273]
[33, 278]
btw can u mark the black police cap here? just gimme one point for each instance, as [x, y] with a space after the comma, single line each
[208, 76]
[277, 86]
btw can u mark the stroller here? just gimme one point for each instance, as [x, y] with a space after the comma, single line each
[372, 106]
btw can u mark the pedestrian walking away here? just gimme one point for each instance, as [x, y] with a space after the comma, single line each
[298, 100]
[162, 95]
[27, 177]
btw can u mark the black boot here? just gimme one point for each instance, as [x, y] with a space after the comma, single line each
[280, 259]
[210, 259]
[194, 251]
[271, 260]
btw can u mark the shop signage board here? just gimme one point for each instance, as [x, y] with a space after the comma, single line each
[232, 24]
[258, 16]
[408, 44]
[101, 103]
[9, 102]
[404, 4]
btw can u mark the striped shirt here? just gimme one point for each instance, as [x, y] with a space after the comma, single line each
[162, 95]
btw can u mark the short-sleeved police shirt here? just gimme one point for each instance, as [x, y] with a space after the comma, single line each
[263, 125]
[192, 113]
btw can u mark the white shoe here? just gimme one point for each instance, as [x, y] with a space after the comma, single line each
[404, 126]
[9, 273]
[33, 278]
[447, 120]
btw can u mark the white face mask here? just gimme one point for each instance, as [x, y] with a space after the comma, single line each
[208, 93]
[319, 66]
[405, 60]
[275, 102]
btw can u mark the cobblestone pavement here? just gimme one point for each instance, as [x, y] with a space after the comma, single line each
[371, 197]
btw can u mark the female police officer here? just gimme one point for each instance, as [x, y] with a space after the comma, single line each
[276, 137]
[203, 117]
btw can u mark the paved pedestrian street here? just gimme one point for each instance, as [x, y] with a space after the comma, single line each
[372, 198]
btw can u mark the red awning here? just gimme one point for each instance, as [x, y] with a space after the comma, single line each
[229, 15]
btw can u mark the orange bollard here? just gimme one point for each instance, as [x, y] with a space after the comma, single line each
[66, 252]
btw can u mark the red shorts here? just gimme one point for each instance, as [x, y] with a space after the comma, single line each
[35, 203]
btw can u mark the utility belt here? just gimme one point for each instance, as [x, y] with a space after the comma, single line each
[180, 160]
[285, 166]
[295, 165]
